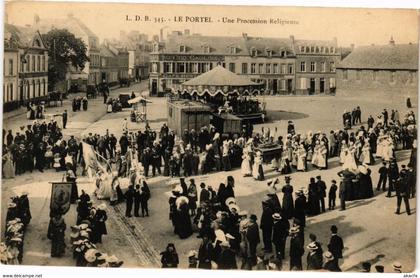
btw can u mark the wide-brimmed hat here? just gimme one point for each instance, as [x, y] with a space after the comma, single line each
[181, 200]
[11, 205]
[102, 206]
[220, 235]
[276, 216]
[233, 207]
[230, 200]
[294, 229]
[192, 253]
[225, 244]
[397, 266]
[312, 246]
[90, 255]
[271, 190]
[243, 213]
[328, 256]
[229, 236]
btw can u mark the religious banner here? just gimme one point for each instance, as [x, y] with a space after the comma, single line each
[60, 197]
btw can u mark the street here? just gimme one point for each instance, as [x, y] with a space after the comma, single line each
[138, 241]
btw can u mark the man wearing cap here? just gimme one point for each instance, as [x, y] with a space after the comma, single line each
[281, 228]
[314, 258]
[402, 189]
[266, 226]
[329, 262]
[300, 207]
[393, 174]
[253, 237]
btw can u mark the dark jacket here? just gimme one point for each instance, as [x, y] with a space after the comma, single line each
[336, 246]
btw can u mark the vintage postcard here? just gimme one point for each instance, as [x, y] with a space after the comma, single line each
[209, 137]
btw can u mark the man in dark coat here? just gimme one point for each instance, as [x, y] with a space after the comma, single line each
[266, 226]
[402, 189]
[335, 246]
[123, 143]
[253, 237]
[393, 174]
[342, 194]
[146, 160]
[227, 257]
[205, 253]
[383, 175]
[136, 199]
[129, 198]
[204, 194]
[64, 119]
[321, 191]
[281, 228]
[300, 208]
[296, 249]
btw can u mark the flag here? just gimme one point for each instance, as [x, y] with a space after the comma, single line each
[60, 197]
[93, 160]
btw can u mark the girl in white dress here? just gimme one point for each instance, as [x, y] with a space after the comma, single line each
[350, 160]
[257, 171]
[246, 170]
[366, 156]
[315, 155]
[343, 151]
[301, 164]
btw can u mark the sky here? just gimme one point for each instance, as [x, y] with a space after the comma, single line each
[348, 25]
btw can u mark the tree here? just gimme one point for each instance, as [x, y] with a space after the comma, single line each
[64, 50]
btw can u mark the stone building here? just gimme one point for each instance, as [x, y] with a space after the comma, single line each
[316, 63]
[114, 63]
[90, 75]
[275, 62]
[392, 67]
[25, 64]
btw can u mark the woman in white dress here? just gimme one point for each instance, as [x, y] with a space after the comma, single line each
[257, 171]
[388, 149]
[301, 163]
[350, 159]
[246, 170]
[380, 143]
[315, 155]
[366, 156]
[343, 151]
[104, 191]
[322, 156]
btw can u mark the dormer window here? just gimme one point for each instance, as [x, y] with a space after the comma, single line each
[327, 50]
[312, 49]
[317, 49]
[269, 52]
[155, 47]
[206, 49]
[302, 49]
[253, 52]
[307, 49]
[283, 53]
[182, 49]
[232, 50]
[322, 49]
[37, 43]
[332, 49]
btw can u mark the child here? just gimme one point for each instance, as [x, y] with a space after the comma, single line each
[57, 165]
[332, 195]
[383, 174]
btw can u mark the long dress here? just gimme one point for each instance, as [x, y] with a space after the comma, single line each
[343, 153]
[284, 166]
[104, 191]
[301, 163]
[315, 156]
[8, 168]
[257, 172]
[183, 221]
[313, 200]
[387, 151]
[322, 157]
[380, 146]
[287, 201]
[56, 229]
[245, 165]
[367, 156]
[350, 160]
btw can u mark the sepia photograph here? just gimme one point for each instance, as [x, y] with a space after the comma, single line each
[213, 137]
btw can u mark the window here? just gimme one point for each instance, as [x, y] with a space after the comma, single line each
[267, 68]
[206, 49]
[10, 66]
[332, 67]
[283, 53]
[290, 68]
[253, 52]
[302, 49]
[253, 68]
[33, 63]
[38, 66]
[260, 68]
[182, 48]
[332, 50]
[313, 67]
[302, 66]
[392, 76]
[323, 66]
[167, 67]
[180, 67]
[303, 83]
[283, 68]
[154, 67]
[322, 49]
[282, 84]
[327, 50]
[411, 77]
[275, 68]
[232, 50]
[332, 82]
[244, 68]
[312, 49]
[357, 74]
[307, 49]
[345, 74]
[232, 67]
[11, 92]
[43, 63]
[269, 53]
[317, 49]
[28, 63]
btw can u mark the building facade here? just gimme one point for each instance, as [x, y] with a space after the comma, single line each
[380, 68]
[90, 74]
[114, 64]
[271, 61]
[315, 64]
[25, 67]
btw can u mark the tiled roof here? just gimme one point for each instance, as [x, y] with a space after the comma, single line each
[72, 24]
[391, 56]
[104, 51]
[276, 45]
[195, 44]
[219, 76]
[23, 36]
[314, 43]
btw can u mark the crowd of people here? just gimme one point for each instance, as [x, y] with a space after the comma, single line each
[35, 111]
[79, 103]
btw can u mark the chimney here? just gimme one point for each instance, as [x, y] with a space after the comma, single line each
[36, 19]
[245, 36]
[352, 46]
[391, 41]
[187, 32]
[292, 38]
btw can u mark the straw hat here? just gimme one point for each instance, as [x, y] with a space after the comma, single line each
[225, 244]
[233, 206]
[192, 253]
[220, 235]
[328, 256]
[243, 213]
[90, 255]
[11, 205]
[83, 226]
[294, 229]
[102, 206]
[312, 246]
[276, 216]
[397, 267]
[230, 200]
[181, 200]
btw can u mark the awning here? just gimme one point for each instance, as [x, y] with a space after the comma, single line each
[139, 99]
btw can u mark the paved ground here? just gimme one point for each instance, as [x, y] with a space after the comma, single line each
[365, 226]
